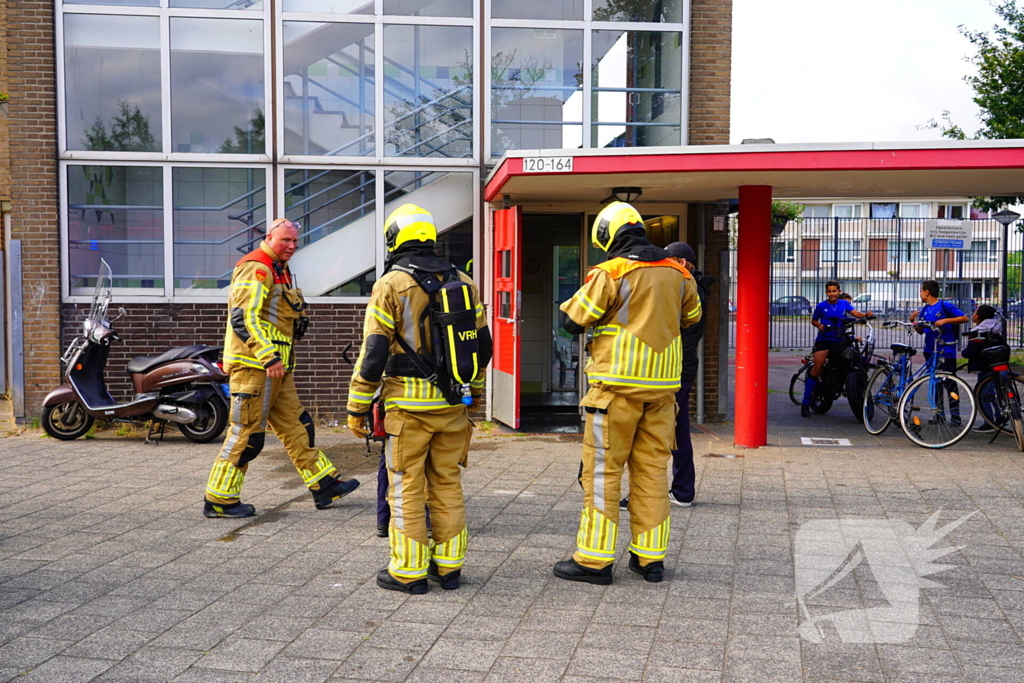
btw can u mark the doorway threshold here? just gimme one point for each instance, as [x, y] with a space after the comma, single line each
[552, 423]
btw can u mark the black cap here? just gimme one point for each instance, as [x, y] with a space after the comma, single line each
[681, 250]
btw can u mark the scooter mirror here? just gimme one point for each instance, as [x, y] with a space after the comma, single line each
[120, 313]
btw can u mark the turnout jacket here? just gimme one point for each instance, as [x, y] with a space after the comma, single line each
[636, 310]
[263, 308]
[396, 305]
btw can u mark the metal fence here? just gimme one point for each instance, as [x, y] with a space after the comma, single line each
[881, 264]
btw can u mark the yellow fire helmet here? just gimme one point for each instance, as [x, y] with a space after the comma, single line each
[613, 218]
[407, 223]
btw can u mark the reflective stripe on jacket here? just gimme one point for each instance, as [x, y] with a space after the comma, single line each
[636, 309]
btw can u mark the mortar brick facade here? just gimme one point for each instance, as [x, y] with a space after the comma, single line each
[149, 329]
[710, 71]
[322, 376]
[32, 129]
[710, 99]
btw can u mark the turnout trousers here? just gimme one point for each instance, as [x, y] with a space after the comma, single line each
[683, 474]
[621, 431]
[424, 452]
[256, 401]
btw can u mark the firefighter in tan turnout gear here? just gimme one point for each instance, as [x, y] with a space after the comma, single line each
[426, 335]
[635, 303]
[265, 318]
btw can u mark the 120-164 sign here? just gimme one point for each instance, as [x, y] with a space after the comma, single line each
[547, 165]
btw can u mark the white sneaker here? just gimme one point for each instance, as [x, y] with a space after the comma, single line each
[681, 503]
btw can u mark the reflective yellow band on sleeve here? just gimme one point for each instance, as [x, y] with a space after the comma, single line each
[244, 360]
[382, 317]
[589, 306]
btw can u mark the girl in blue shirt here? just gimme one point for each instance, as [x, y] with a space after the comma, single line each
[827, 317]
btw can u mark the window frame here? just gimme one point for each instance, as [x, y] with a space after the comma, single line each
[588, 25]
[856, 209]
[165, 15]
[379, 21]
[167, 294]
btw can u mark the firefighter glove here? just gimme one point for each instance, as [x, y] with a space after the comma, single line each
[357, 425]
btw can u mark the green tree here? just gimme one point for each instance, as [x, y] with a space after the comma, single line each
[250, 140]
[129, 132]
[998, 87]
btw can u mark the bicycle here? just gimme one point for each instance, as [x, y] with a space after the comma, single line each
[886, 385]
[999, 393]
[844, 372]
[926, 396]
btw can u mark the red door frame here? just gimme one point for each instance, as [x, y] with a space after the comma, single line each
[508, 271]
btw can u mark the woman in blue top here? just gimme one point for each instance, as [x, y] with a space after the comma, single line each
[944, 315]
[827, 317]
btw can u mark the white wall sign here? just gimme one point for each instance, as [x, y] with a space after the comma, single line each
[947, 234]
[547, 165]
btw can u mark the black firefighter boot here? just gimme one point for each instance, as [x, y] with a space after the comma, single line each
[233, 510]
[388, 582]
[570, 570]
[332, 489]
[449, 581]
[652, 573]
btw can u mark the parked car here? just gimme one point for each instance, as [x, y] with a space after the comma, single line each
[790, 305]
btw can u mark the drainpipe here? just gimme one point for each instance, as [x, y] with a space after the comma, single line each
[5, 208]
[701, 416]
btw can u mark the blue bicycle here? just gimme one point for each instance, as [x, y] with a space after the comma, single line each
[935, 408]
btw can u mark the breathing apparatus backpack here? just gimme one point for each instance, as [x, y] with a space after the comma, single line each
[451, 316]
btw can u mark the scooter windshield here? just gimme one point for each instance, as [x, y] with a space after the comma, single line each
[101, 296]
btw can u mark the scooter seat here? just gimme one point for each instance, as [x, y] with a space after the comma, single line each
[147, 363]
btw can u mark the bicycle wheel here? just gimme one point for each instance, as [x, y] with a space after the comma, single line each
[856, 380]
[1015, 420]
[936, 413]
[991, 404]
[796, 385]
[880, 399]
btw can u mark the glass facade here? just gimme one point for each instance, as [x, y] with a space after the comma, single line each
[182, 134]
[217, 213]
[115, 213]
[428, 93]
[536, 89]
[328, 90]
[112, 70]
[637, 79]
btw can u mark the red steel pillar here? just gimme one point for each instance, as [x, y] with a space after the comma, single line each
[753, 272]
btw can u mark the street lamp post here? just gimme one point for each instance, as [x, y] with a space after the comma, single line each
[1005, 218]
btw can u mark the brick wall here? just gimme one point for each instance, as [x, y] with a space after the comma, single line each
[710, 71]
[150, 329]
[33, 148]
[5, 151]
[710, 82]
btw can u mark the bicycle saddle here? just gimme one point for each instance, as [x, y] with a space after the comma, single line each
[903, 349]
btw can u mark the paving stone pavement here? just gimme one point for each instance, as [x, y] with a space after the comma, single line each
[109, 572]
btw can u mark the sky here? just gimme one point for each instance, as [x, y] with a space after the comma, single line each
[874, 70]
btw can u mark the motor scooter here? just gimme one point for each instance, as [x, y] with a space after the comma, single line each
[185, 385]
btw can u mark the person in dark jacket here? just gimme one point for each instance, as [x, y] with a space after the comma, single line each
[681, 492]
